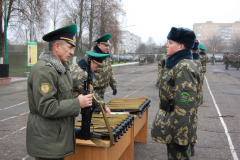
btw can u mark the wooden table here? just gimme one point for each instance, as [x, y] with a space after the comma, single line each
[122, 150]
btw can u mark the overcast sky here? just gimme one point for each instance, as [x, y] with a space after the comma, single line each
[154, 18]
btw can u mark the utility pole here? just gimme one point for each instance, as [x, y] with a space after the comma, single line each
[31, 24]
[6, 31]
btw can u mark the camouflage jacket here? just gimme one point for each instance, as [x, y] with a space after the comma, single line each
[197, 62]
[204, 59]
[178, 88]
[163, 57]
[79, 73]
[104, 75]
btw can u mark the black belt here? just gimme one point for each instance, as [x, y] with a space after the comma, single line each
[166, 107]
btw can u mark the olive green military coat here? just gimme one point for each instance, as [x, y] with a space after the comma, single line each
[178, 87]
[50, 125]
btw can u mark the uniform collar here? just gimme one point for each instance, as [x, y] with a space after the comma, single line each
[178, 56]
[48, 56]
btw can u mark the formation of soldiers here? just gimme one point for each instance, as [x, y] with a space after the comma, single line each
[232, 59]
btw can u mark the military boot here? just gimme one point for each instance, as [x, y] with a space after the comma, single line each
[192, 150]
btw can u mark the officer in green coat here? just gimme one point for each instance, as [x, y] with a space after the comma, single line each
[175, 123]
[104, 75]
[50, 126]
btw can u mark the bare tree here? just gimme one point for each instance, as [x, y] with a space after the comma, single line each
[151, 45]
[236, 44]
[2, 24]
[215, 43]
[142, 48]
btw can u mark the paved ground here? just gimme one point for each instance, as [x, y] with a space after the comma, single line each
[137, 81]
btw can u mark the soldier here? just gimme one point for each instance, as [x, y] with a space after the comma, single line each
[50, 125]
[175, 122]
[104, 75]
[203, 58]
[238, 61]
[80, 74]
[213, 60]
[160, 67]
[227, 61]
[196, 60]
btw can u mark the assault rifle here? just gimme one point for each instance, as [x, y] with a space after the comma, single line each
[84, 132]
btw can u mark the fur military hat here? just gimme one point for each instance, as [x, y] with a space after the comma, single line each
[66, 33]
[183, 36]
[202, 47]
[196, 44]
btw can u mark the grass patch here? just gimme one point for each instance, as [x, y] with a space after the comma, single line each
[12, 70]
[122, 62]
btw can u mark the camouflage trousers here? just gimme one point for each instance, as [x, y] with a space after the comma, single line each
[174, 154]
[227, 64]
[100, 92]
[238, 65]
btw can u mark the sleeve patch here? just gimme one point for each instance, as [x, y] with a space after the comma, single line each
[185, 96]
[45, 88]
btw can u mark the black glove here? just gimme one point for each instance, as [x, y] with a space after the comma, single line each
[181, 148]
[114, 91]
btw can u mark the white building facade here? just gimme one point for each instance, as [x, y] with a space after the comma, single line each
[129, 42]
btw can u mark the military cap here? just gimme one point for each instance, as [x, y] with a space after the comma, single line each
[104, 40]
[196, 44]
[97, 57]
[66, 33]
[183, 36]
[202, 47]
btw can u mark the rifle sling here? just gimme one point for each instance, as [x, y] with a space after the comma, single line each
[99, 142]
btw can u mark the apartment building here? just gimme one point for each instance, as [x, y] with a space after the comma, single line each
[129, 42]
[228, 31]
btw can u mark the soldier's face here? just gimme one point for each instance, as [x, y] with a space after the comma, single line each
[104, 48]
[172, 47]
[64, 51]
[94, 66]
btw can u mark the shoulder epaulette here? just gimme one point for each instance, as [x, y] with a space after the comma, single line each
[49, 64]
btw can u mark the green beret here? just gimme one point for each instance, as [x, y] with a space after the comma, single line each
[104, 39]
[66, 33]
[202, 47]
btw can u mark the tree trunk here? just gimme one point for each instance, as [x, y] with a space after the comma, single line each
[91, 26]
[79, 37]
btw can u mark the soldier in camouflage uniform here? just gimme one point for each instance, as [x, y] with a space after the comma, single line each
[203, 58]
[227, 61]
[80, 74]
[104, 75]
[175, 123]
[213, 60]
[197, 62]
[160, 66]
